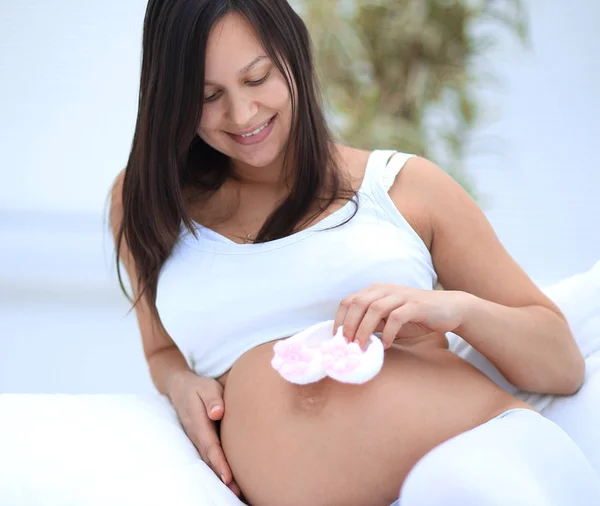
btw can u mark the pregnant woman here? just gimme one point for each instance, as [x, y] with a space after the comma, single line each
[240, 222]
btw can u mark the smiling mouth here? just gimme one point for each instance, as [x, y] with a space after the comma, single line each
[256, 131]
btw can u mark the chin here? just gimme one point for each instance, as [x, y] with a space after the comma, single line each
[257, 156]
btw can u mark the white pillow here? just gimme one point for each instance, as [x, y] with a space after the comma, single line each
[100, 450]
[122, 450]
[578, 297]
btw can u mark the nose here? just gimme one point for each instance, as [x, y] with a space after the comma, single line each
[241, 110]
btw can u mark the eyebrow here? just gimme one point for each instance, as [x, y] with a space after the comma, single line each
[247, 68]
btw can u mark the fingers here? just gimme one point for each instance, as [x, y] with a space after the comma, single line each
[373, 317]
[341, 314]
[352, 310]
[199, 404]
[398, 317]
[217, 461]
[233, 486]
[200, 428]
[209, 444]
[364, 313]
[212, 398]
[215, 410]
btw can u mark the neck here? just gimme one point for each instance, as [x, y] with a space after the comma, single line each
[269, 177]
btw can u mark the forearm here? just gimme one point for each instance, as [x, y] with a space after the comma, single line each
[532, 346]
[165, 366]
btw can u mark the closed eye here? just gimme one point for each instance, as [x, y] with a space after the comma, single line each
[260, 81]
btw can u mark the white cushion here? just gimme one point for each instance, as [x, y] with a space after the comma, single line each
[122, 450]
[93, 450]
[578, 297]
[578, 415]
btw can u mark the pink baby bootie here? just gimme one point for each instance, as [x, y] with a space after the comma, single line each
[310, 355]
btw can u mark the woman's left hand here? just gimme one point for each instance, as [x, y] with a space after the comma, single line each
[399, 312]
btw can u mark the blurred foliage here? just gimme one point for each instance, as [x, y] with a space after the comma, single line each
[403, 74]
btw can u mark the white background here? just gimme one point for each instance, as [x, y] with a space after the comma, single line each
[68, 101]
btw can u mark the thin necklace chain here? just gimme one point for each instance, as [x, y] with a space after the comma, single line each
[247, 239]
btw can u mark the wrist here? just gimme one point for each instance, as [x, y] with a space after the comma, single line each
[466, 304]
[175, 379]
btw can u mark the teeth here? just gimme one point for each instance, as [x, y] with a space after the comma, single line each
[257, 131]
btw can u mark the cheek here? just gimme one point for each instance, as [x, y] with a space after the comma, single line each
[210, 121]
[275, 94]
[279, 97]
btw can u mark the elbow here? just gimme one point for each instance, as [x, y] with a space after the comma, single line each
[570, 369]
[570, 376]
[566, 378]
[575, 378]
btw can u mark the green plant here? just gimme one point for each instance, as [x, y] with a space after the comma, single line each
[405, 73]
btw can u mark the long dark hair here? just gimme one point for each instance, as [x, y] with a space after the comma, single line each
[167, 155]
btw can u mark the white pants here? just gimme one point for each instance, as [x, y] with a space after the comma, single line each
[579, 414]
[519, 458]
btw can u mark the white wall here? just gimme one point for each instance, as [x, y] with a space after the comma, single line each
[70, 70]
[68, 97]
[543, 186]
[63, 322]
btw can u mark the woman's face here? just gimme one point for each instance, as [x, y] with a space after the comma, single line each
[243, 92]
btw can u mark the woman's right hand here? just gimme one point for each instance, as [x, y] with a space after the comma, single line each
[198, 402]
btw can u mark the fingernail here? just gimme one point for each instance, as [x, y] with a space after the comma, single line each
[223, 478]
[215, 408]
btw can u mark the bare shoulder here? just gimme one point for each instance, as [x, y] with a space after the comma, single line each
[408, 191]
[425, 181]
[466, 252]
[353, 163]
[410, 195]
[431, 200]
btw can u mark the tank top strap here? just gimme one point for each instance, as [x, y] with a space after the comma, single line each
[384, 166]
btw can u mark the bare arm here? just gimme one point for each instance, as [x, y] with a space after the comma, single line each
[197, 400]
[165, 360]
[508, 318]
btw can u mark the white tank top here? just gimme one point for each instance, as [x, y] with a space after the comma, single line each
[218, 299]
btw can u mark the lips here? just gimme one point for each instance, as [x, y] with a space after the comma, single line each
[250, 130]
[256, 138]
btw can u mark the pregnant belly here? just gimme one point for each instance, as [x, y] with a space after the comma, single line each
[330, 443]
